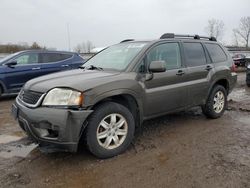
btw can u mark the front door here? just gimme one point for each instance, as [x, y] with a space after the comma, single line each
[27, 67]
[166, 92]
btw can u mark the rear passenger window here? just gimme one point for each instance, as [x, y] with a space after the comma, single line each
[65, 56]
[54, 57]
[168, 52]
[195, 55]
[216, 52]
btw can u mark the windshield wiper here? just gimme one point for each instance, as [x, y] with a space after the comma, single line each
[91, 67]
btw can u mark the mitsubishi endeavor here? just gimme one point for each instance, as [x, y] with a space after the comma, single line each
[103, 101]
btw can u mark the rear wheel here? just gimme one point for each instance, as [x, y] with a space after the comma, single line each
[216, 103]
[110, 130]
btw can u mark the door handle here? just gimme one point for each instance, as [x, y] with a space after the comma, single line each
[180, 72]
[65, 65]
[208, 68]
[36, 68]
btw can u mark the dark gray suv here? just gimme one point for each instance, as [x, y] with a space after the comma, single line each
[116, 90]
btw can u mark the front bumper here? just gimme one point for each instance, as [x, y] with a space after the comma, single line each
[57, 129]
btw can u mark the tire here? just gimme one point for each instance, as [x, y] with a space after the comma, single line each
[210, 109]
[100, 122]
[248, 84]
[1, 90]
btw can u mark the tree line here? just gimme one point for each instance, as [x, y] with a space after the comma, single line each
[12, 48]
[240, 35]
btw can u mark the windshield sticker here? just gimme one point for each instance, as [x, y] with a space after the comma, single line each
[136, 45]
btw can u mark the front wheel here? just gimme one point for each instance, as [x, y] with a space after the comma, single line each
[110, 130]
[216, 103]
[1, 91]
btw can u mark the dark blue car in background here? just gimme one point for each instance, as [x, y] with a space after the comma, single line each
[18, 68]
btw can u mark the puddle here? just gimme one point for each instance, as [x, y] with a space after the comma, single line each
[239, 95]
[19, 150]
[8, 138]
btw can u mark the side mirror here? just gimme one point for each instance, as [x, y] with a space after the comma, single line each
[157, 66]
[11, 64]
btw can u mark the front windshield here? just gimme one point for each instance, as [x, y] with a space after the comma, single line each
[8, 57]
[116, 57]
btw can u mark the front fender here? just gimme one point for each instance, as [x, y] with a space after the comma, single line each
[115, 92]
[91, 101]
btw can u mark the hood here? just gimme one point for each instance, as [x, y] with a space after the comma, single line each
[78, 79]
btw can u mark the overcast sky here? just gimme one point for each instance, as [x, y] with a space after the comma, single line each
[105, 22]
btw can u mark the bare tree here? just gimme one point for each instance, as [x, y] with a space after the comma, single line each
[78, 48]
[89, 46]
[84, 47]
[35, 46]
[236, 41]
[215, 28]
[243, 30]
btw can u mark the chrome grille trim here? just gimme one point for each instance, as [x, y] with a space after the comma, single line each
[37, 101]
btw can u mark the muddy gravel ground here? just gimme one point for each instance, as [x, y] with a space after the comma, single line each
[178, 150]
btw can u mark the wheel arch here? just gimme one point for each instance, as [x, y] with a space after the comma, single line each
[223, 82]
[128, 100]
[125, 97]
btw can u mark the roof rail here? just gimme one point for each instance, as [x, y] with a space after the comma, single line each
[127, 40]
[172, 35]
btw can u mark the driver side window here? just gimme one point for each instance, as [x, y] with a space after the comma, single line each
[168, 52]
[27, 59]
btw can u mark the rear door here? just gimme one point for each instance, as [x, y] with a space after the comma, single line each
[54, 62]
[165, 91]
[198, 68]
[27, 67]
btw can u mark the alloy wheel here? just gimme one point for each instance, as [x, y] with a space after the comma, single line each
[219, 102]
[112, 131]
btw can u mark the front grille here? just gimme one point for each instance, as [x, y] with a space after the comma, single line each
[30, 97]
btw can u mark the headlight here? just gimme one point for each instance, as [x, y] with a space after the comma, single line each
[63, 97]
